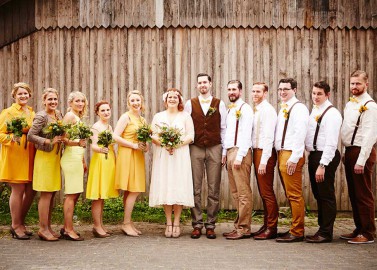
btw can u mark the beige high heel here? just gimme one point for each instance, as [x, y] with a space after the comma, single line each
[176, 231]
[128, 232]
[169, 231]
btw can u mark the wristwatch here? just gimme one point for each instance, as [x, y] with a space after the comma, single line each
[322, 165]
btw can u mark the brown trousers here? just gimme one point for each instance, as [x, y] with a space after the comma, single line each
[360, 191]
[266, 188]
[293, 191]
[208, 158]
[239, 184]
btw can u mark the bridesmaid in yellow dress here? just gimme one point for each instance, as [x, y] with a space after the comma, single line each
[47, 176]
[16, 160]
[130, 164]
[73, 164]
[101, 178]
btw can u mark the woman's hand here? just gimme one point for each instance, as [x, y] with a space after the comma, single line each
[56, 139]
[16, 139]
[170, 151]
[142, 146]
[104, 150]
[82, 143]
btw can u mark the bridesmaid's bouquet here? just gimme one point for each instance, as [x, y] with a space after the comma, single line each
[144, 133]
[16, 126]
[79, 131]
[170, 137]
[55, 129]
[105, 138]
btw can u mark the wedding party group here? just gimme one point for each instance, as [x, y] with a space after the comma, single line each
[189, 140]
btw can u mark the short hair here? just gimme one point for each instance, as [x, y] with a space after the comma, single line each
[49, 91]
[239, 84]
[265, 86]
[99, 104]
[75, 94]
[323, 85]
[292, 81]
[358, 73]
[19, 85]
[180, 98]
[203, 75]
[136, 92]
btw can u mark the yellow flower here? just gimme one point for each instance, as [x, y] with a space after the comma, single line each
[211, 111]
[317, 117]
[363, 109]
[352, 99]
[286, 114]
[238, 114]
[50, 127]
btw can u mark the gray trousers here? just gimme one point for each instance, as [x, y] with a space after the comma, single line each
[208, 159]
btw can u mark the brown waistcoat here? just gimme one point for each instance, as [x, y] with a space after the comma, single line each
[207, 127]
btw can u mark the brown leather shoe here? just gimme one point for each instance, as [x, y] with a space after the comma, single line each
[361, 239]
[261, 229]
[318, 239]
[238, 235]
[282, 234]
[225, 234]
[196, 233]
[290, 238]
[348, 236]
[267, 234]
[210, 233]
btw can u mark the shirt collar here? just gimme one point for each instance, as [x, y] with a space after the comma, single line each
[260, 105]
[291, 101]
[363, 97]
[324, 105]
[202, 98]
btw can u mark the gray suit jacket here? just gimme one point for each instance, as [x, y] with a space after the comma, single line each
[35, 134]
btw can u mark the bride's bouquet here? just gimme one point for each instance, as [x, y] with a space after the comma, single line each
[170, 137]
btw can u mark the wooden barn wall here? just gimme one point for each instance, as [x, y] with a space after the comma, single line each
[206, 13]
[106, 63]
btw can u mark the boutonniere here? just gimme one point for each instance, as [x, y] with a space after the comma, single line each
[238, 114]
[317, 117]
[286, 113]
[352, 99]
[363, 108]
[211, 111]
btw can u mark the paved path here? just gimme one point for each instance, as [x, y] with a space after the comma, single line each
[153, 251]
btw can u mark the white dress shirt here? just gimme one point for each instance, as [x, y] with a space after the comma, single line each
[245, 128]
[296, 130]
[265, 119]
[328, 134]
[205, 107]
[366, 135]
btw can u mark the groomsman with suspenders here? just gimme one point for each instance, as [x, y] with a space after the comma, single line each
[359, 134]
[324, 158]
[264, 158]
[290, 136]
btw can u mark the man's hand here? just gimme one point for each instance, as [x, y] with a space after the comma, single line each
[262, 169]
[359, 169]
[223, 161]
[237, 164]
[320, 174]
[291, 167]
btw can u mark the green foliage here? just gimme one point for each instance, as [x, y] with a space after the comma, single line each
[144, 133]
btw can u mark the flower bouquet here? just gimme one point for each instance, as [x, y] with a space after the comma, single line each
[55, 129]
[170, 137]
[16, 126]
[105, 138]
[79, 131]
[144, 133]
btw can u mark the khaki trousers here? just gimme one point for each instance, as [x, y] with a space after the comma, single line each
[293, 191]
[239, 184]
[266, 188]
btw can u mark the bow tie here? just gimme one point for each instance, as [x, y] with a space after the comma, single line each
[255, 109]
[283, 105]
[315, 107]
[232, 105]
[352, 99]
[205, 101]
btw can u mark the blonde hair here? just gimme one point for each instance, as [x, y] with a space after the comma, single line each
[19, 85]
[49, 91]
[74, 95]
[136, 92]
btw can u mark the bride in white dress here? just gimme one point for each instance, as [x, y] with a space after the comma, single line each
[171, 181]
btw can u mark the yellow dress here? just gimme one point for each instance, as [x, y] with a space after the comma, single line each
[47, 174]
[73, 168]
[130, 164]
[16, 161]
[101, 178]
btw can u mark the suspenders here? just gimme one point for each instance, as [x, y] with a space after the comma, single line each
[358, 123]
[318, 125]
[286, 125]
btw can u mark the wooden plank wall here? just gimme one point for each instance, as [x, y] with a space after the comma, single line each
[106, 63]
[207, 13]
